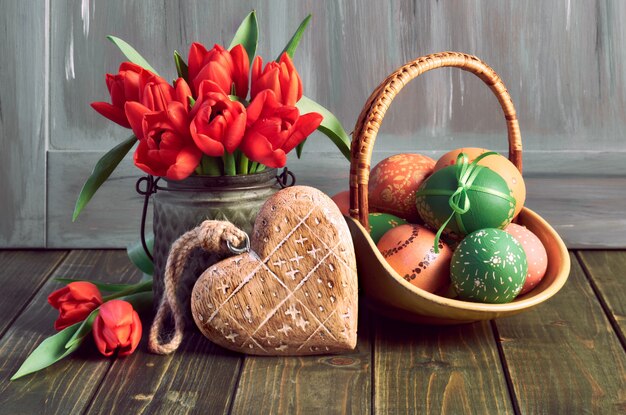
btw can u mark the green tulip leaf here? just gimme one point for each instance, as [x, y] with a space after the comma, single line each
[295, 39]
[247, 35]
[83, 330]
[138, 256]
[103, 169]
[141, 301]
[131, 53]
[330, 126]
[102, 286]
[50, 351]
[181, 66]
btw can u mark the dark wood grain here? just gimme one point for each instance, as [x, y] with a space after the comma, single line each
[309, 385]
[450, 370]
[606, 270]
[23, 273]
[199, 378]
[563, 356]
[67, 386]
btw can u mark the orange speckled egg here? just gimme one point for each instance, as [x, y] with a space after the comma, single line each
[497, 163]
[535, 255]
[409, 251]
[342, 200]
[394, 181]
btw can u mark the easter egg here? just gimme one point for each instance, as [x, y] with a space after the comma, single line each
[380, 223]
[536, 255]
[488, 266]
[409, 250]
[393, 183]
[497, 163]
[342, 200]
[488, 199]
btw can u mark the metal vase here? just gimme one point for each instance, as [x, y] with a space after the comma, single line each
[183, 205]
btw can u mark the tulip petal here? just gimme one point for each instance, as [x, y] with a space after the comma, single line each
[303, 127]
[241, 70]
[197, 52]
[135, 113]
[183, 92]
[100, 342]
[257, 148]
[111, 112]
[186, 162]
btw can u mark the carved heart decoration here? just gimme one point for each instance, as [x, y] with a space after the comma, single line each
[295, 292]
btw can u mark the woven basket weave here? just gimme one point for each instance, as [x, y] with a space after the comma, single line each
[385, 290]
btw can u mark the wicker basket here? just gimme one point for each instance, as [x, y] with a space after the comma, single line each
[385, 290]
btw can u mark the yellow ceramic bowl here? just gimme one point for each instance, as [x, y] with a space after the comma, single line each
[389, 294]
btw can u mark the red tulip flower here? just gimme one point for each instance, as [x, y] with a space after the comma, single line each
[281, 77]
[123, 87]
[74, 301]
[225, 68]
[274, 129]
[157, 93]
[218, 123]
[117, 327]
[165, 147]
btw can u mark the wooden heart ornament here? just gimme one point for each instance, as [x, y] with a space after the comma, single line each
[294, 292]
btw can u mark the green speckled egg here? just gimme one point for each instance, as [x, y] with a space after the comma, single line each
[486, 210]
[380, 223]
[489, 266]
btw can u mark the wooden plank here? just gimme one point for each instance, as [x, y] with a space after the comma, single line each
[23, 273]
[67, 386]
[563, 356]
[312, 384]
[606, 272]
[199, 378]
[441, 369]
[23, 124]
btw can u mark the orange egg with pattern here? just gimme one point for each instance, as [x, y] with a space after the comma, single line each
[394, 181]
[536, 255]
[342, 200]
[409, 250]
[497, 163]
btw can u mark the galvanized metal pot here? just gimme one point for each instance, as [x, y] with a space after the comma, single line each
[182, 205]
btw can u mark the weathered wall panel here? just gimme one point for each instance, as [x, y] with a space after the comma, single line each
[563, 62]
[22, 124]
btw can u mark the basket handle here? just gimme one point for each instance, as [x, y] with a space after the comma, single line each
[374, 110]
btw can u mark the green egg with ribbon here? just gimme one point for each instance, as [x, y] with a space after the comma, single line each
[465, 197]
[380, 223]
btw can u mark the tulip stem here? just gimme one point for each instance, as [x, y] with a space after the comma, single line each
[253, 167]
[260, 168]
[243, 163]
[135, 288]
[211, 166]
[229, 164]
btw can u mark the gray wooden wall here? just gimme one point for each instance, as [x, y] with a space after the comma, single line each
[562, 60]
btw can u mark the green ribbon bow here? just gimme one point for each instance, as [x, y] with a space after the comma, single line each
[459, 201]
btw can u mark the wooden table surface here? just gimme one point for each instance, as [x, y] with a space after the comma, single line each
[566, 356]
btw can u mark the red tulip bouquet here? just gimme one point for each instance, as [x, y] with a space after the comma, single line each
[227, 113]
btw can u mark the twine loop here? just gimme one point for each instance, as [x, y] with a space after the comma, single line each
[211, 235]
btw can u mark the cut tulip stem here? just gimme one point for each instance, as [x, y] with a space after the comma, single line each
[253, 167]
[229, 164]
[260, 168]
[243, 164]
[211, 166]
